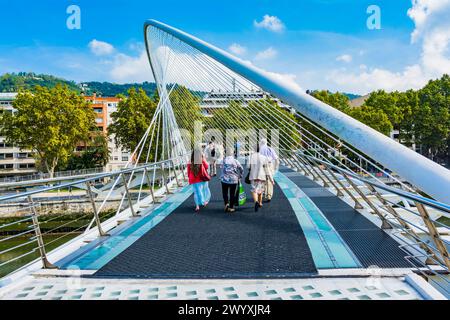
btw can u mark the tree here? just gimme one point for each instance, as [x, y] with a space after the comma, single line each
[432, 118]
[96, 154]
[336, 100]
[387, 102]
[374, 118]
[186, 108]
[49, 122]
[132, 119]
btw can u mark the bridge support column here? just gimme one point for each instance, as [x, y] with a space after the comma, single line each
[37, 230]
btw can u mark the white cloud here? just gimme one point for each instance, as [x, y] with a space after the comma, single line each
[271, 23]
[345, 58]
[366, 80]
[237, 49]
[432, 33]
[426, 14]
[100, 48]
[269, 53]
[127, 68]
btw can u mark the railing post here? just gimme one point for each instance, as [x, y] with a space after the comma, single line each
[306, 169]
[182, 171]
[394, 213]
[434, 233]
[338, 191]
[94, 207]
[358, 204]
[37, 230]
[163, 176]
[384, 223]
[294, 163]
[130, 202]
[176, 174]
[325, 184]
[150, 185]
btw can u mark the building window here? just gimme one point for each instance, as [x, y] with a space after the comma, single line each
[6, 156]
[124, 158]
[5, 145]
[6, 166]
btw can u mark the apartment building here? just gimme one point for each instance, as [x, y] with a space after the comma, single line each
[13, 161]
[103, 108]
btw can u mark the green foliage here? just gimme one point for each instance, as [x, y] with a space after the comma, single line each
[186, 107]
[387, 102]
[49, 122]
[373, 117]
[422, 116]
[337, 100]
[95, 155]
[14, 82]
[257, 115]
[132, 118]
[432, 125]
[108, 89]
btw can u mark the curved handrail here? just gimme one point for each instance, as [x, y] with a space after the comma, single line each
[74, 183]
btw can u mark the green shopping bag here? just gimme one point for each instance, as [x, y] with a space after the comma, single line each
[241, 196]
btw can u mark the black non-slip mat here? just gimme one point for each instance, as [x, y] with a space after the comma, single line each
[215, 244]
[371, 245]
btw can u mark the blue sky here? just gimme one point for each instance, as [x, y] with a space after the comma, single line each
[317, 43]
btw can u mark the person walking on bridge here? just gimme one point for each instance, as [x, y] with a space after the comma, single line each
[273, 165]
[212, 152]
[232, 171]
[197, 171]
[258, 175]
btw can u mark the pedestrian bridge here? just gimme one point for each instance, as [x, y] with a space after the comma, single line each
[355, 215]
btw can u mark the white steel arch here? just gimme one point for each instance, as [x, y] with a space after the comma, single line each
[429, 176]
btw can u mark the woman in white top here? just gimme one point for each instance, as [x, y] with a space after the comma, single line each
[259, 174]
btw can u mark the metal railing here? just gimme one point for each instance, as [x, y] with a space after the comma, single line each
[35, 229]
[58, 174]
[407, 215]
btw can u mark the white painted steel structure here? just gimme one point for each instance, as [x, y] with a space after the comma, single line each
[420, 171]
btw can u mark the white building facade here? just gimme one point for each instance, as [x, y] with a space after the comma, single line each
[13, 161]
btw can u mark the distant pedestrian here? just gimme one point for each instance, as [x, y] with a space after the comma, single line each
[212, 153]
[258, 175]
[273, 165]
[232, 171]
[198, 177]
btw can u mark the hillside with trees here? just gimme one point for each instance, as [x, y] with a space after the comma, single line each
[14, 82]
[108, 89]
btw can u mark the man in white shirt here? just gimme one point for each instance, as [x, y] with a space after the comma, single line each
[213, 153]
[271, 154]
